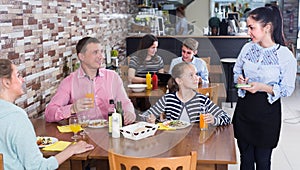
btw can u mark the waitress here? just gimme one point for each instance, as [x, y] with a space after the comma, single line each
[270, 68]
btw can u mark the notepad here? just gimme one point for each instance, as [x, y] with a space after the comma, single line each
[242, 85]
[65, 129]
[58, 146]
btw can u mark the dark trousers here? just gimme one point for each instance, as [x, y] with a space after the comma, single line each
[253, 156]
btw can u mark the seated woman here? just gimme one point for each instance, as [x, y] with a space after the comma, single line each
[184, 103]
[145, 60]
[18, 140]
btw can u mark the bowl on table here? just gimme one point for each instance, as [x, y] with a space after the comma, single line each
[137, 87]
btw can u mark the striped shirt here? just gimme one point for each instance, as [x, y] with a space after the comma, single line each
[156, 63]
[171, 105]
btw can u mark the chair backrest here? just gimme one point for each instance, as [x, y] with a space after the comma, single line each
[124, 69]
[188, 162]
[211, 91]
[207, 60]
[124, 72]
[1, 162]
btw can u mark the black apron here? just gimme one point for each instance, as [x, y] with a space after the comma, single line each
[256, 121]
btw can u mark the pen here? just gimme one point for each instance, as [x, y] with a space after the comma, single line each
[243, 74]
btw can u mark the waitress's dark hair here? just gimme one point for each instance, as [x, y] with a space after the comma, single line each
[177, 72]
[145, 43]
[5, 68]
[270, 14]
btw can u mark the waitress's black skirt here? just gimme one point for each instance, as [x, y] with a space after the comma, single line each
[256, 121]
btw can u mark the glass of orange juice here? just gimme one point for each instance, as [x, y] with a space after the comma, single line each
[90, 93]
[75, 127]
[203, 125]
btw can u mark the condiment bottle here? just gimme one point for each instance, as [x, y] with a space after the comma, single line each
[154, 81]
[148, 81]
[115, 125]
[111, 110]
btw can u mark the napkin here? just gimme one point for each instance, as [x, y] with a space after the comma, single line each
[65, 129]
[161, 126]
[57, 146]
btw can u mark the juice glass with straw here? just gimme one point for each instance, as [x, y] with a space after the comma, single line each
[203, 125]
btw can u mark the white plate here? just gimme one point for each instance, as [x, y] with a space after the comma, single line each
[98, 123]
[178, 124]
[137, 87]
[46, 141]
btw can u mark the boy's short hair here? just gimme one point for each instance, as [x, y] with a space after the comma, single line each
[191, 43]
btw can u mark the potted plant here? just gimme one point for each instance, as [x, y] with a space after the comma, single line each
[114, 56]
[214, 24]
[114, 53]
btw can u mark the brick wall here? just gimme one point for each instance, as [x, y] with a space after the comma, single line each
[40, 37]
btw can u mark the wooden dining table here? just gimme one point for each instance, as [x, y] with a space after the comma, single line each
[215, 147]
[43, 128]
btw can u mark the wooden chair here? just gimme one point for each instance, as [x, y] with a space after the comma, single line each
[124, 69]
[116, 162]
[124, 72]
[1, 162]
[207, 60]
[211, 91]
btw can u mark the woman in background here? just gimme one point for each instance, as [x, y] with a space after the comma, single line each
[184, 103]
[145, 61]
[270, 68]
[17, 137]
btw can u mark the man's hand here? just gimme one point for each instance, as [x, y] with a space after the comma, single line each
[129, 118]
[82, 104]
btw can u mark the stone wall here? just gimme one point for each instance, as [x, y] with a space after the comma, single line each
[40, 37]
[290, 7]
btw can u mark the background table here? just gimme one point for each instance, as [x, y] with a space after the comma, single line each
[231, 91]
[150, 97]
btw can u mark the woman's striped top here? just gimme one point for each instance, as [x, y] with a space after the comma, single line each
[156, 63]
[171, 105]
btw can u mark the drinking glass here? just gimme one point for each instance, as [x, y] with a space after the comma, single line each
[90, 93]
[75, 127]
[203, 125]
[84, 122]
